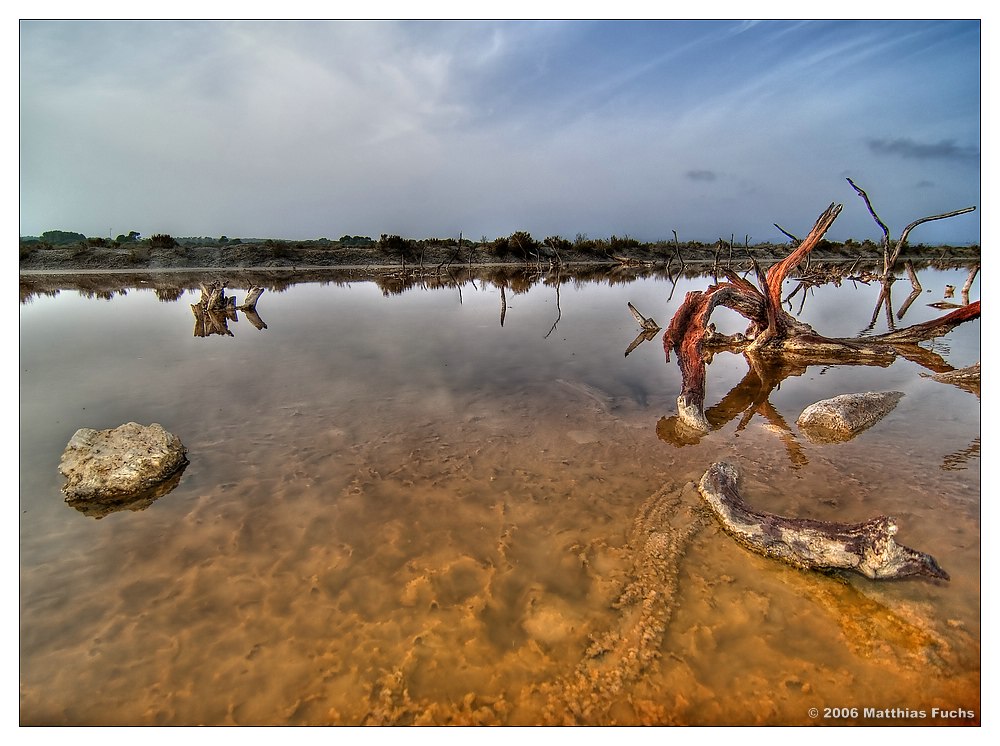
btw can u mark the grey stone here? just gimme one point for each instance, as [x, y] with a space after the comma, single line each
[120, 464]
[843, 417]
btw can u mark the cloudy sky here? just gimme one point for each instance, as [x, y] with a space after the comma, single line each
[319, 129]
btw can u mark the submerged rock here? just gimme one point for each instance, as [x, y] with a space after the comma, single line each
[843, 417]
[124, 466]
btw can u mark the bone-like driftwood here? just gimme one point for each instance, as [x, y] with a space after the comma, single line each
[867, 548]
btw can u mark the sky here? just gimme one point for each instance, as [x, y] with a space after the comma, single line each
[315, 129]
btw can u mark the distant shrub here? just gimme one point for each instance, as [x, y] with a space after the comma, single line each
[28, 247]
[622, 244]
[138, 255]
[394, 245]
[358, 240]
[162, 241]
[499, 246]
[522, 245]
[279, 249]
[558, 243]
[98, 242]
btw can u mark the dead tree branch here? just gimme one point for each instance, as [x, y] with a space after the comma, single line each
[867, 548]
[890, 257]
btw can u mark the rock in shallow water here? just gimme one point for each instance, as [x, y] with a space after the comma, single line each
[119, 464]
[843, 417]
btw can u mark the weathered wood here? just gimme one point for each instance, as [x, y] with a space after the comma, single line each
[867, 548]
[253, 294]
[891, 254]
[774, 333]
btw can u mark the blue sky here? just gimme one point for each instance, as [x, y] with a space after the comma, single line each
[320, 129]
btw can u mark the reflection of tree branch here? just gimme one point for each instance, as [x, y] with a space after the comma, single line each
[958, 460]
[917, 289]
[968, 284]
[559, 309]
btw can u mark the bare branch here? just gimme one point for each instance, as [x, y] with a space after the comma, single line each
[868, 204]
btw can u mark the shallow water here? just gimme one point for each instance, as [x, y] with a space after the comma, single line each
[400, 510]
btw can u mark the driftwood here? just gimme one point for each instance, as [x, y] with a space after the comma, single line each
[215, 309]
[649, 329]
[891, 252]
[867, 548]
[773, 333]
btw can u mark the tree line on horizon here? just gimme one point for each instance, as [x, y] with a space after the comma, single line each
[518, 245]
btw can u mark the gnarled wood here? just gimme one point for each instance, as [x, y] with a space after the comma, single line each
[867, 548]
[774, 333]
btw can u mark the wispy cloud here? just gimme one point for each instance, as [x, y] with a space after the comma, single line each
[303, 129]
[904, 147]
[701, 175]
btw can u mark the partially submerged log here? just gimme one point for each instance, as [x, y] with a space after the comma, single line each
[867, 548]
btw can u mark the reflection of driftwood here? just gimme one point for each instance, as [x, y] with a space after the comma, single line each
[772, 332]
[867, 548]
[748, 398]
[967, 379]
[958, 460]
[215, 309]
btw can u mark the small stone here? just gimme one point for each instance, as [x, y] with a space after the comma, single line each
[120, 464]
[843, 417]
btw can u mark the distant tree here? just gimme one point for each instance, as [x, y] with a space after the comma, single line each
[57, 238]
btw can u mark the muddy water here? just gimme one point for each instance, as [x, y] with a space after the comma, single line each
[399, 511]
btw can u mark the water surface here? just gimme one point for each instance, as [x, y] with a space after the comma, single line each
[426, 506]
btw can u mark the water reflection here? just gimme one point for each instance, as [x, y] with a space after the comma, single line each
[402, 512]
[98, 507]
[215, 310]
